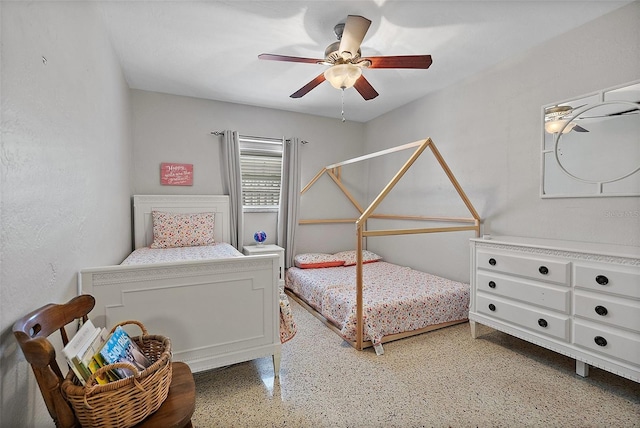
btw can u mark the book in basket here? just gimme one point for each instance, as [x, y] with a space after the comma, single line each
[77, 346]
[86, 362]
[94, 347]
[104, 377]
[120, 348]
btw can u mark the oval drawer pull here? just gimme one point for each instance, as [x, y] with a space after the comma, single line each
[543, 270]
[601, 310]
[600, 341]
[492, 261]
[492, 307]
[542, 322]
[492, 284]
[602, 280]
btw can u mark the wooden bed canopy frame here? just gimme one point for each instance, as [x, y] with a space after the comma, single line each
[334, 172]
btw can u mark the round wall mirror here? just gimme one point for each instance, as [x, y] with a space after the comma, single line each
[600, 143]
[591, 145]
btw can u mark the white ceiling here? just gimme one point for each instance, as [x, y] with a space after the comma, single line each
[209, 49]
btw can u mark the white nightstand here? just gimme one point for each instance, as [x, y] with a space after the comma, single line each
[252, 250]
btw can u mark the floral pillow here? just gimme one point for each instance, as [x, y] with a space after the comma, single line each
[316, 260]
[182, 230]
[349, 257]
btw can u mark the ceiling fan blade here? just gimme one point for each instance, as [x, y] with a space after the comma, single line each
[308, 87]
[579, 128]
[353, 34]
[619, 113]
[273, 57]
[622, 113]
[405, 61]
[365, 89]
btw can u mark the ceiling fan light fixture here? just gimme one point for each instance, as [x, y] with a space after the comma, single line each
[555, 126]
[343, 76]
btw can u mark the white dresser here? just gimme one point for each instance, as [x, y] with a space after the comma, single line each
[576, 298]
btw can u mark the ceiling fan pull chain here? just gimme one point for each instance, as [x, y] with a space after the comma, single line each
[343, 119]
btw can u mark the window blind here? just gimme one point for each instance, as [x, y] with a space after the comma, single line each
[261, 170]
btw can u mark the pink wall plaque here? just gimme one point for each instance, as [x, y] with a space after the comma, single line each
[176, 174]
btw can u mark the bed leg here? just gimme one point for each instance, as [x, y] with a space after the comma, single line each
[276, 364]
[474, 333]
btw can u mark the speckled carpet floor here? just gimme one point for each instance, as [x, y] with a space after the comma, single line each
[438, 379]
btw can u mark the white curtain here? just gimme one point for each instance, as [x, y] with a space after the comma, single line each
[232, 183]
[289, 211]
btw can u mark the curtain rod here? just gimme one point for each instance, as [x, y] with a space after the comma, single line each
[250, 137]
[218, 133]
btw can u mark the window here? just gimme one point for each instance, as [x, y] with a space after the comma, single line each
[261, 170]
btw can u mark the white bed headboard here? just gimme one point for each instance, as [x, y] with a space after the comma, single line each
[144, 204]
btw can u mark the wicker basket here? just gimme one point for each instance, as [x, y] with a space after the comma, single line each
[126, 402]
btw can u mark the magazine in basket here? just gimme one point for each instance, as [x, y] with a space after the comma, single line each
[119, 349]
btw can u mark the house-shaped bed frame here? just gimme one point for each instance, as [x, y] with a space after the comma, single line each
[334, 172]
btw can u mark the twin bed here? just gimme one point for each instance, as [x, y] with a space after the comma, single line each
[218, 306]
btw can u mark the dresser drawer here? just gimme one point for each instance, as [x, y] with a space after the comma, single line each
[608, 309]
[609, 279]
[542, 322]
[547, 296]
[557, 271]
[609, 341]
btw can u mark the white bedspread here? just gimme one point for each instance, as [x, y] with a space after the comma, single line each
[146, 255]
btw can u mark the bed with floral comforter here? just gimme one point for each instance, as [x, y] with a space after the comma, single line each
[397, 299]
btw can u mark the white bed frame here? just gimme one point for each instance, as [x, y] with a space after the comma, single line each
[216, 312]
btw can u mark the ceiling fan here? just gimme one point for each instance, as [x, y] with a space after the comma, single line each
[346, 63]
[554, 119]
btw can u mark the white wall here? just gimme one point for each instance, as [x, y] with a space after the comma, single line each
[169, 128]
[489, 131]
[66, 166]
